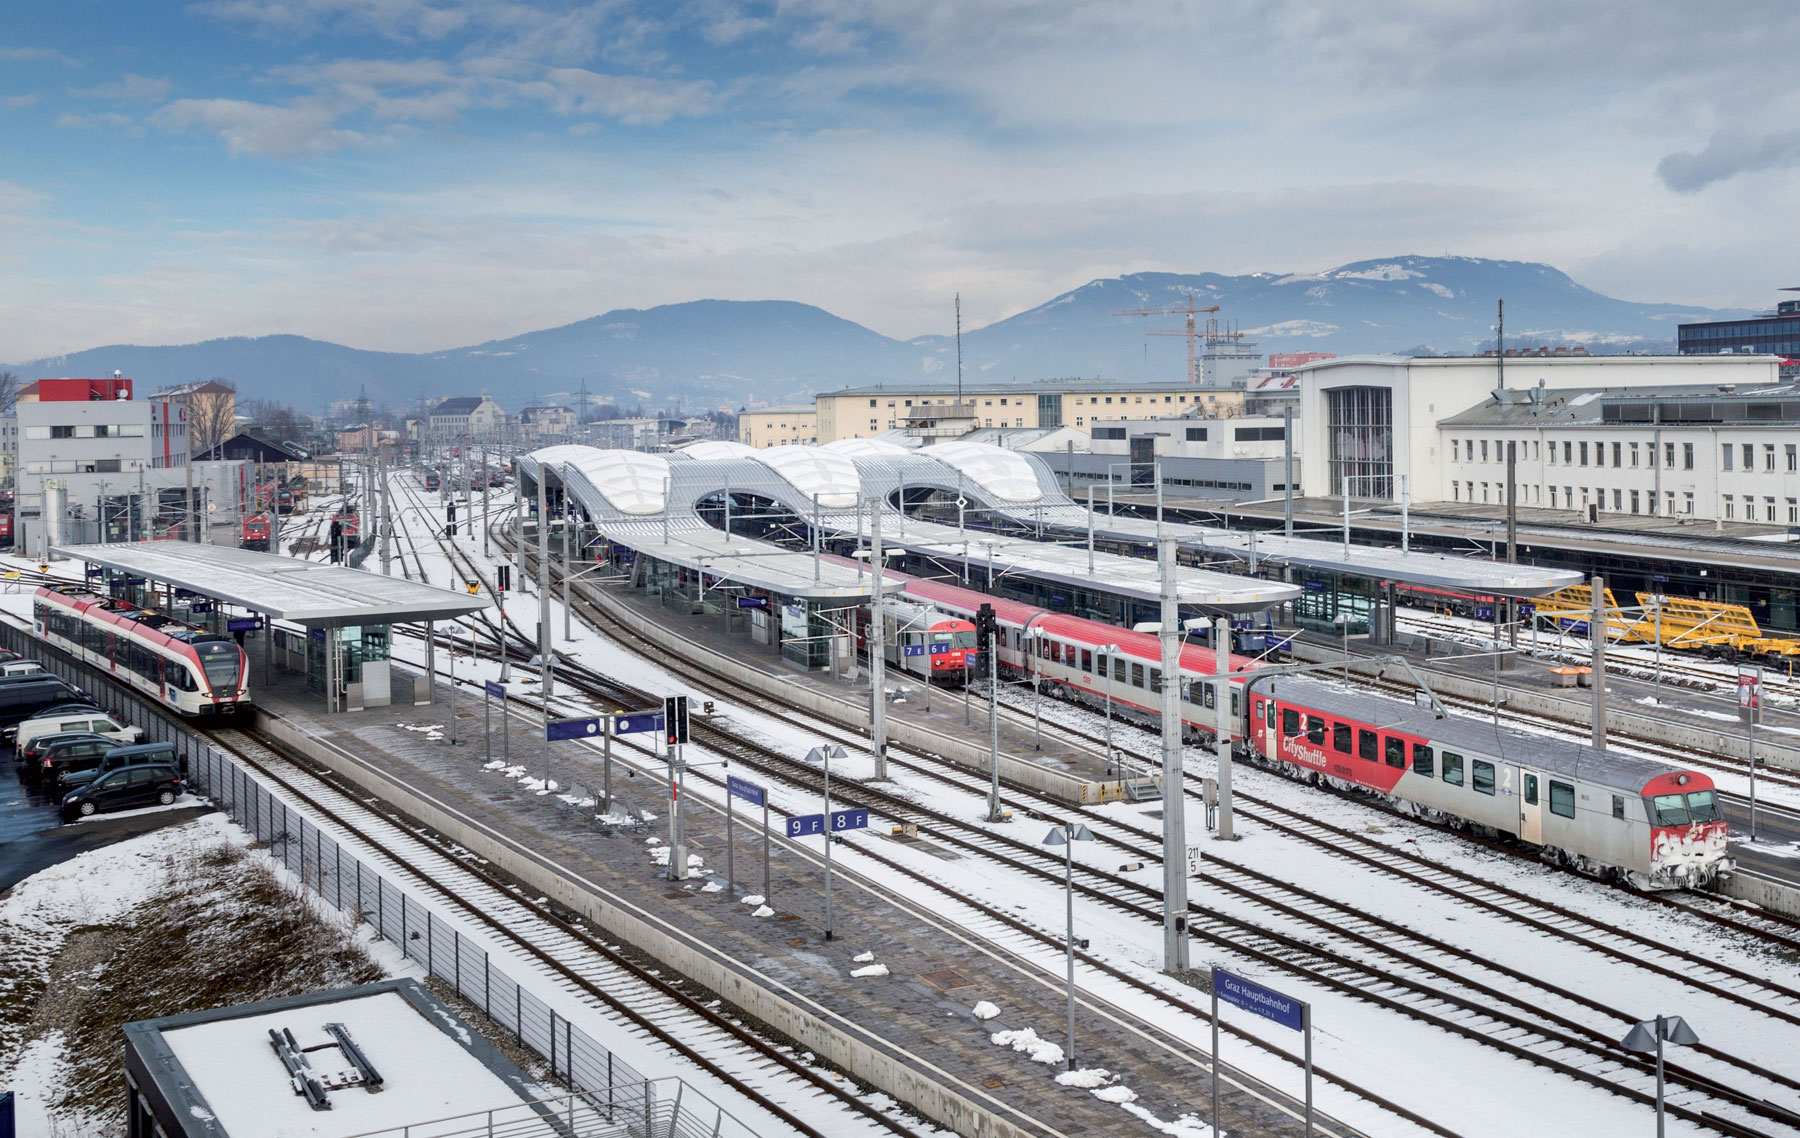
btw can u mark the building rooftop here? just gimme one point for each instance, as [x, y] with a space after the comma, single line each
[1533, 361]
[1758, 404]
[461, 405]
[1021, 386]
[381, 1056]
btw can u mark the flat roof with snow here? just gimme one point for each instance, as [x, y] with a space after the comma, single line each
[218, 1073]
[284, 588]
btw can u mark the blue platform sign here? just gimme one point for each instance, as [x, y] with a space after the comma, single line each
[571, 728]
[805, 825]
[1253, 997]
[637, 724]
[243, 624]
[201, 606]
[939, 649]
[744, 789]
[842, 820]
[753, 602]
[498, 691]
[913, 649]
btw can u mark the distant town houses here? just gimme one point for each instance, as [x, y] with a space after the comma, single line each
[547, 422]
[466, 417]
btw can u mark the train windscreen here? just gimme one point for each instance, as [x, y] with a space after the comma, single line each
[1668, 810]
[1703, 807]
[220, 659]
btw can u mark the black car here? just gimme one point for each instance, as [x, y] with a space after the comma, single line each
[123, 789]
[29, 755]
[69, 755]
[136, 755]
[25, 696]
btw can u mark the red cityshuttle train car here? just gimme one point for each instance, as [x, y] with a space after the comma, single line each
[1637, 820]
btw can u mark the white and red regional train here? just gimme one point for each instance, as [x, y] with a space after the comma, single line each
[190, 670]
[1651, 825]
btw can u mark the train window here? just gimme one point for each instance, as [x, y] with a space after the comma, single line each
[1367, 744]
[1396, 752]
[1340, 738]
[1453, 768]
[1482, 777]
[1618, 806]
[1206, 696]
[1702, 807]
[1422, 764]
[1234, 704]
[1055, 652]
[1562, 799]
[1269, 712]
[1156, 680]
[1087, 660]
[1668, 810]
[1531, 790]
[1290, 722]
[1118, 669]
[1315, 730]
[1137, 675]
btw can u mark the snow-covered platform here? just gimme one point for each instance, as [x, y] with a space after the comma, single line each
[936, 962]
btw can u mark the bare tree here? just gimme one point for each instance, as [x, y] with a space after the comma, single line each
[212, 414]
[9, 392]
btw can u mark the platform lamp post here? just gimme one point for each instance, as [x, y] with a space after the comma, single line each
[1066, 835]
[823, 756]
[1650, 1036]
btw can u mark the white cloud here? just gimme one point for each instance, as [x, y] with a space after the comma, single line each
[303, 127]
[630, 99]
[17, 102]
[133, 87]
[34, 55]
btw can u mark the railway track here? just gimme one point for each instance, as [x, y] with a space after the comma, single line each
[581, 967]
[1462, 1007]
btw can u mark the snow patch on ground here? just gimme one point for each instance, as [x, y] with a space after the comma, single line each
[763, 911]
[1087, 1078]
[712, 887]
[877, 970]
[754, 899]
[863, 957]
[1118, 1092]
[985, 1010]
[1026, 1040]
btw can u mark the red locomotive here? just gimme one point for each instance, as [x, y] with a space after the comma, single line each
[256, 533]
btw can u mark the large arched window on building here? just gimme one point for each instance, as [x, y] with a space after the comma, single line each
[1360, 425]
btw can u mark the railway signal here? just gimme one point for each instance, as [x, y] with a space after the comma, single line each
[675, 719]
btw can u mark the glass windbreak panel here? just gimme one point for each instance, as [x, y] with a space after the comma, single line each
[1668, 810]
[1703, 807]
[1360, 430]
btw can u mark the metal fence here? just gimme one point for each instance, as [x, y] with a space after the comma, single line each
[614, 1098]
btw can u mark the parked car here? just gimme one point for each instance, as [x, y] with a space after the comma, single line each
[20, 668]
[76, 752]
[82, 719]
[28, 695]
[123, 789]
[30, 754]
[144, 754]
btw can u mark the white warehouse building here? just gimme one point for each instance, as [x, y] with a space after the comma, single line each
[1443, 424]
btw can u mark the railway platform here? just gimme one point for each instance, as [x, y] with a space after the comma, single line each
[939, 961]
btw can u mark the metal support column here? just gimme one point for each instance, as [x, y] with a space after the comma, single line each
[1175, 892]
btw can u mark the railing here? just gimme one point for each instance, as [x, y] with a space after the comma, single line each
[609, 1096]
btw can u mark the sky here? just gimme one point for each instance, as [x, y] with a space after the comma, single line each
[411, 175]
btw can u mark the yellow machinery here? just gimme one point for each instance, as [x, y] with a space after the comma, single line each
[1575, 604]
[1712, 624]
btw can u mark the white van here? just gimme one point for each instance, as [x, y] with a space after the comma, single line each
[20, 668]
[97, 722]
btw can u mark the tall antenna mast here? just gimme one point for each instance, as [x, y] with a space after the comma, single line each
[1500, 343]
[959, 347]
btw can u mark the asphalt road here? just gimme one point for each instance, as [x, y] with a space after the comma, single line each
[32, 836]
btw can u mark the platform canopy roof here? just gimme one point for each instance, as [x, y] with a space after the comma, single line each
[283, 588]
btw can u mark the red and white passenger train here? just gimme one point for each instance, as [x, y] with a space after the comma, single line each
[922, 641]
[1651, 825]
[191, 670]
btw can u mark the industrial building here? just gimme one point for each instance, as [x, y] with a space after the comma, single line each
[779, 426]
[940, 412]
[1771, 334]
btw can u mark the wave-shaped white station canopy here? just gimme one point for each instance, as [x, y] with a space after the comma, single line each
[815, 470]
[866, 448]
[707, 449]
[631, 480]
[1000, 472]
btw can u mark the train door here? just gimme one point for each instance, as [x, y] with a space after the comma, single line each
[1271, 744]
[1531, 807]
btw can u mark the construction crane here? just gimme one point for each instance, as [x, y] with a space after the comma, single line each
[1193, 331]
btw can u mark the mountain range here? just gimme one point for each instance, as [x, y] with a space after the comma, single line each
[726, 354]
